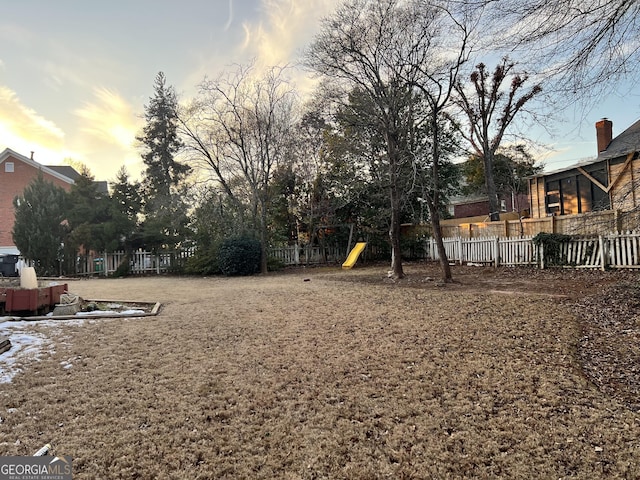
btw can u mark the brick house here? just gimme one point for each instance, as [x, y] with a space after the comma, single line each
[608, 183]
[16, 172]
[465, 206]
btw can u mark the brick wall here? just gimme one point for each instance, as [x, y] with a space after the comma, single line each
[12, 184]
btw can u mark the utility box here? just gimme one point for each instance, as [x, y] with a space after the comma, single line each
[8, 265]
[98, 265]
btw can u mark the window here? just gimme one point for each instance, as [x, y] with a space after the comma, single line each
[569, 196]
[503, 205]
[577, 194]
[8, 167]
[553, 197]
[600, 197]
[584, 194]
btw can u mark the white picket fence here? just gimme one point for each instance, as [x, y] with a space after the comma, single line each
[303, 255]
[140, 262]
[488, 251]
[605, 251]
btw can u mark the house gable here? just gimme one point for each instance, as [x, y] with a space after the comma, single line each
[16, 172]
[609, 181]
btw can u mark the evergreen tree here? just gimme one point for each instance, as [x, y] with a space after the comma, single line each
[88, 214]
[39, 230]
[126, 205]
[164, 177]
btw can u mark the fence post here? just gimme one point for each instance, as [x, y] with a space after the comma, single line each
[603, 253]
[496, 251]
[541, 254]
[617, 221]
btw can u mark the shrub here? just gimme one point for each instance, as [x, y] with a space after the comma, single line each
[239, 256]
[552, 243]
[203, 262]
[124, 269]
[274, 264]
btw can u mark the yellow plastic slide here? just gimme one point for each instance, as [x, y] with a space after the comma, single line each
[354, 254]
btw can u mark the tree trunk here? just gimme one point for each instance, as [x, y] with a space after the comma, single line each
[394, 197]
[394, 234]
[437, 235]
[490, 184]
[263, 239]
[432, 201]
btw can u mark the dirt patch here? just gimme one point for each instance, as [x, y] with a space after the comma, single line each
[323, 373]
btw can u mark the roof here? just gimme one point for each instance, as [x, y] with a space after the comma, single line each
[102, 186]
[582, 163]
[66, 170]
[625, 143]
[7, 152]
[465, 199]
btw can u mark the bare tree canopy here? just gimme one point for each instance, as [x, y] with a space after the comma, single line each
[586, 42]
[238, 130]
[395, 52]
[489, 110]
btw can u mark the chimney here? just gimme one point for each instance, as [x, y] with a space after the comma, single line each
[604, 134]
[32, 154]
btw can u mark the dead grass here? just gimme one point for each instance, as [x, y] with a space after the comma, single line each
[345, 376]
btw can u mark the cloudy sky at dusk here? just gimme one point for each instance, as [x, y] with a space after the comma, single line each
[75, 75]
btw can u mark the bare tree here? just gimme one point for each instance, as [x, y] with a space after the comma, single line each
[388, 49]
[586, 44]
[435, 74]
[490, 110]
[356, 47]
[238, 129]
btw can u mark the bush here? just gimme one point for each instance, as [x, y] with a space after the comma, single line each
[239, 256]
[552, 243]
[124, 269]
[274, 264]
[203, 262]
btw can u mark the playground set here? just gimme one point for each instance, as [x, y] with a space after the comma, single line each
[354, 255]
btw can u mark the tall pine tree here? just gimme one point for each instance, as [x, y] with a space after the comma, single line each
[126, 204]
[165, 218]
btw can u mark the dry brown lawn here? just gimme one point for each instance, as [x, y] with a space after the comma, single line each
[328, 374]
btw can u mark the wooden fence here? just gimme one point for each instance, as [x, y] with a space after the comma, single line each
[140, 262]
[144, 263]
[617, 250]
[591, 223]
[487, 251]
[306, 255]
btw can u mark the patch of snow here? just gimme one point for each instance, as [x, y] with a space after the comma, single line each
[28, 345]
[25, 344]
[110, 312]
